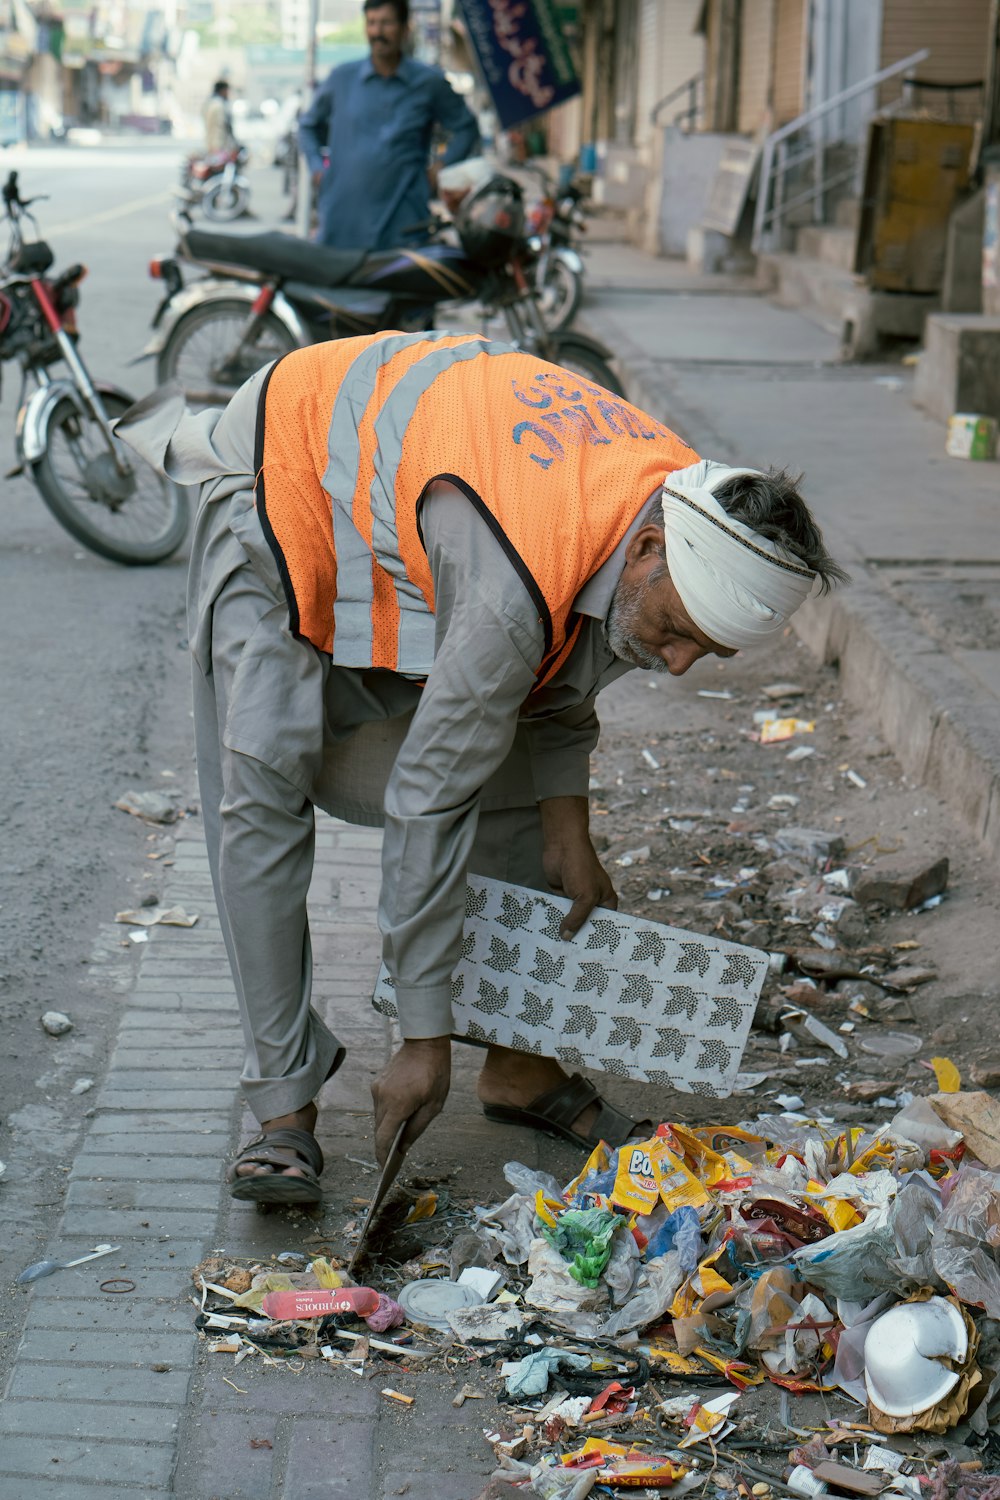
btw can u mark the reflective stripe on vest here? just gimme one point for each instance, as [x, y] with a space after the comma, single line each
[350, 436]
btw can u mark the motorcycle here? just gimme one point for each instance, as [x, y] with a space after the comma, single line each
[103, 494]
[216, 183]
[554, 222]
[260, 296]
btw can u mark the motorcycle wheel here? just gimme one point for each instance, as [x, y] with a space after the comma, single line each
[139, 520]
[199, 352]
[224, 202]
[581, 359]
[559, 295]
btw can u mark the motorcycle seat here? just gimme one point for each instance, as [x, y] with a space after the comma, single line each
[276, 254]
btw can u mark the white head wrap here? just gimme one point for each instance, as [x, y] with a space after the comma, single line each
[737, 586]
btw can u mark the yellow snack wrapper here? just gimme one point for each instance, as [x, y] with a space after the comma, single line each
[706, 1280]
[599, 1160]
[709, 1165]
[879, 1157]
[739, 1374]
[326, 1277]
[838, 1212]
[777, 730]
[641, 1470]
[548, 1209]
[678, 1185]
[591, 1447]
[637, 1180]
[949, 1079]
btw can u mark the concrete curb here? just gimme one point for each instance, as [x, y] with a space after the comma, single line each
[943, 728]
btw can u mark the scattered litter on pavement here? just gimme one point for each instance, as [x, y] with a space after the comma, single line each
[42, 1268]
[82, 1086]
[56, 1023]
[152, 807]
[152, 916]
[775, 730]
[753, 1262]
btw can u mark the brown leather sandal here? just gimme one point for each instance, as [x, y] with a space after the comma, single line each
[279, 1149]
[554, 1112]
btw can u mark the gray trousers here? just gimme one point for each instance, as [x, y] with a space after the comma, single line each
[260, 827]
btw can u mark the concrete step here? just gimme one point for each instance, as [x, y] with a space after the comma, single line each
[831, 243]
[816, 288]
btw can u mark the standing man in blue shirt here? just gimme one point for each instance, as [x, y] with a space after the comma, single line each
[375, 119]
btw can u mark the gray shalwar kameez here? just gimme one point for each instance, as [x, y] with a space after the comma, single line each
[447, 767]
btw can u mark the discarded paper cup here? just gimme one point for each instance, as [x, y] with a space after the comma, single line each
[430, 1302]
[892, 1044]
[905, 1350]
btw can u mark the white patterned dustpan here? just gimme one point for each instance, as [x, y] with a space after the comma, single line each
[625, 996]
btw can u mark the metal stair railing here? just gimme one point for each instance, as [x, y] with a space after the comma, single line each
[776, 160]
[689, 114]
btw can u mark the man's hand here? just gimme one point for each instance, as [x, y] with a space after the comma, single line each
[570, 861]
[412, 1087]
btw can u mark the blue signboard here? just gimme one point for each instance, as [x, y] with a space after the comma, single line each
[523, 55]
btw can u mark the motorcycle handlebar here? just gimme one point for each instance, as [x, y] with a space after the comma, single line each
[12, 195]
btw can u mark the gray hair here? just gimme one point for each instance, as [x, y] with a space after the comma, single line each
[771, 505]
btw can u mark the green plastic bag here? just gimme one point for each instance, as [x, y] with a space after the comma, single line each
[583, 1237]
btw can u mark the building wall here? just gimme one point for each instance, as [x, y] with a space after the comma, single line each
[756, 45]
[956, 34]
[789, 59]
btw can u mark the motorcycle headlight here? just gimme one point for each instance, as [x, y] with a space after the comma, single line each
[533, 244]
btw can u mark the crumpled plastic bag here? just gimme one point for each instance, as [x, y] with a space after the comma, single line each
[853, 1264]
[622, 1271]
[554, 1291]
[550, 1481]
[965, 1249]
[528, 1181]
[919, 1122]
[655, 1289]
[508, 1228]
[583, 1238]
[530, 1376]
[679, 1231]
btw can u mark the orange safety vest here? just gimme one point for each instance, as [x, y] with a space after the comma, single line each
[351, 433]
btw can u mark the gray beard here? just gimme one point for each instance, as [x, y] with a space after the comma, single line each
[620, 624]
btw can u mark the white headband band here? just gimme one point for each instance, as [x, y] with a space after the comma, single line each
[737, 586]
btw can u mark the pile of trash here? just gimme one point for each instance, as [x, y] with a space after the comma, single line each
[787, 1255]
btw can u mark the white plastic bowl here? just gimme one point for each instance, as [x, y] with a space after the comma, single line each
[903, 1351]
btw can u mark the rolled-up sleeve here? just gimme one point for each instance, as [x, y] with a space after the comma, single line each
[560, 748]
[314, 125]
[489, 643]
[455, 117]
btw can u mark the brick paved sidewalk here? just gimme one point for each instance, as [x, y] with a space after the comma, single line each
[113, 1394]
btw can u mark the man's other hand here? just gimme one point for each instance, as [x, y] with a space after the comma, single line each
[412, 1087]
[570, 861]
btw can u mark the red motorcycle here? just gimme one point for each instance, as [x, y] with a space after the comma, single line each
[105, 495]
[216, 183]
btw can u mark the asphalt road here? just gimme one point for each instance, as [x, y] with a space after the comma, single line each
[95, 702]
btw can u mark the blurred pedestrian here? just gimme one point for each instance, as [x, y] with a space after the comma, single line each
[374, 119]
[218, 120]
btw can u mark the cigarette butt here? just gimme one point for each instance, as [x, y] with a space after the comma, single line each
[398, 1396]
